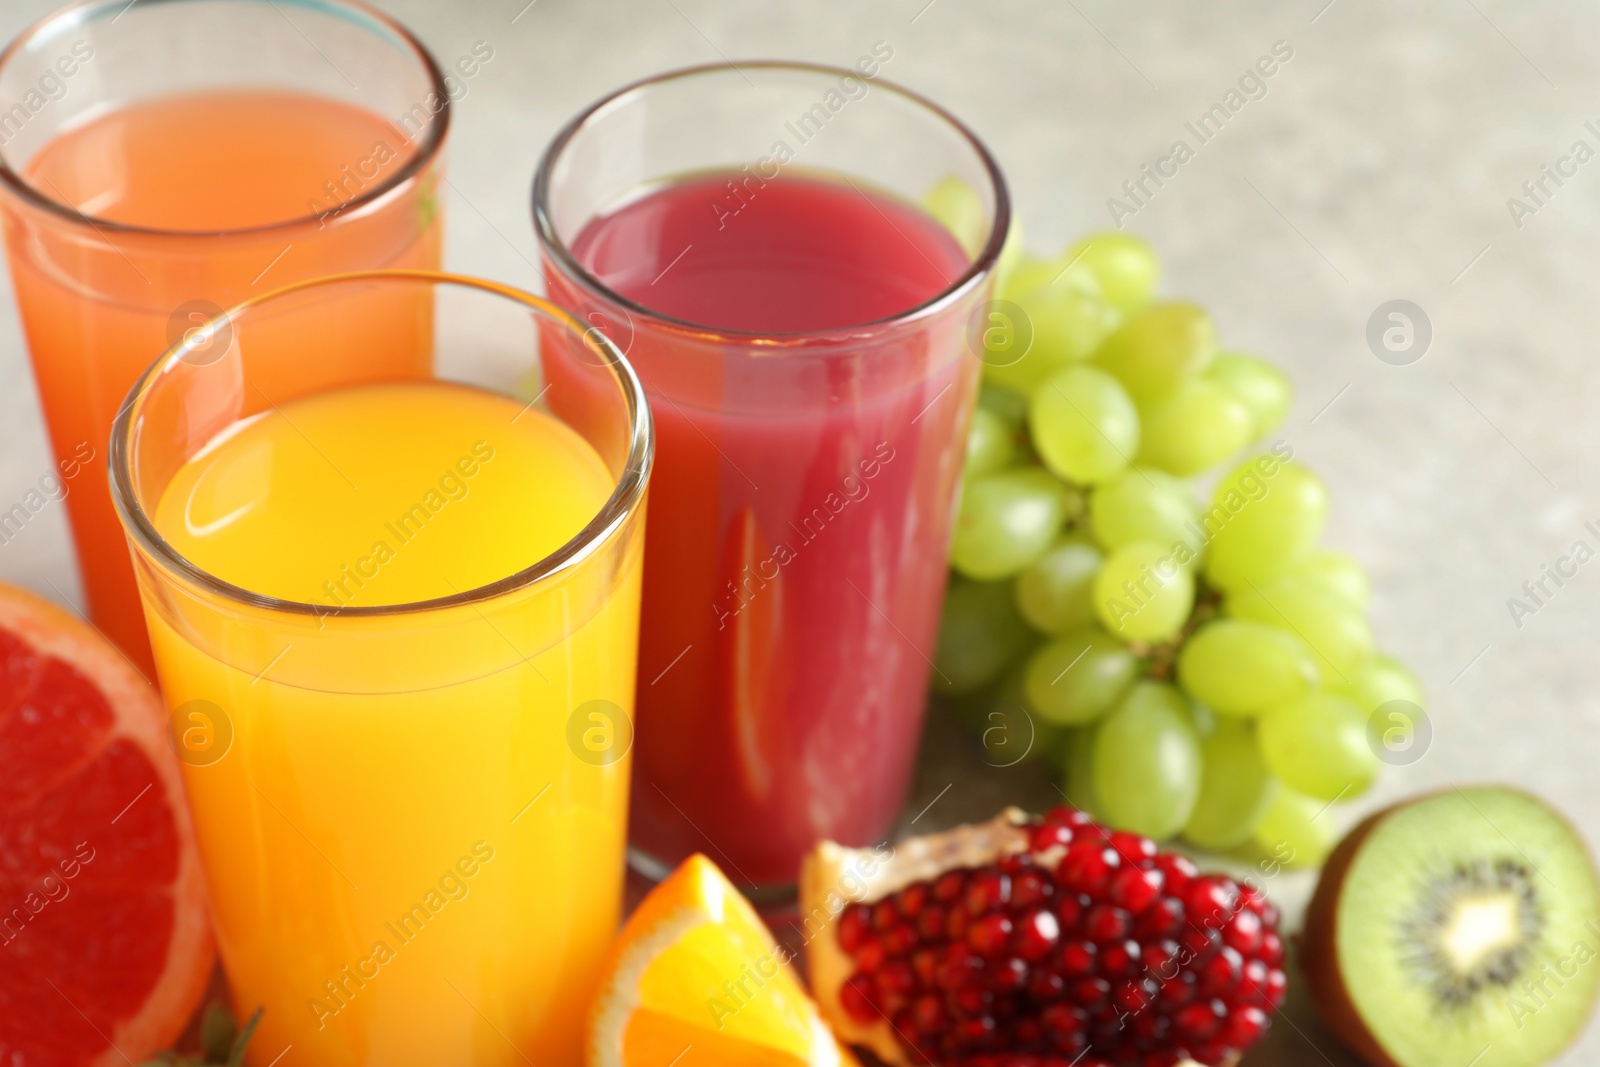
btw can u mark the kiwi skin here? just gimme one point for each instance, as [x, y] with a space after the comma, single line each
[1319, 953]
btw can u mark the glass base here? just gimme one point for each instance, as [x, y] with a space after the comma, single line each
[764, 897]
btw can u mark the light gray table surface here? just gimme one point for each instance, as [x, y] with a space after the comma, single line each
[1377, 166]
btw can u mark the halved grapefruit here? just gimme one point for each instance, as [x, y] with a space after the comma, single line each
[104, 930]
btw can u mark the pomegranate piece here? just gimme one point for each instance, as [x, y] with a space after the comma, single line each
[1038, 942]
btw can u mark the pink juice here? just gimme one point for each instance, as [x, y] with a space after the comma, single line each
[809, 445]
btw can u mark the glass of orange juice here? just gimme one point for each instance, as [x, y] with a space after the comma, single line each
[162, 160]
[394, 608]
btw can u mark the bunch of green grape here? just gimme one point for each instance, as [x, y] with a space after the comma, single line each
[1195, 665]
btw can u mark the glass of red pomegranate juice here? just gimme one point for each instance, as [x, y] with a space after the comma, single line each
[752, 236]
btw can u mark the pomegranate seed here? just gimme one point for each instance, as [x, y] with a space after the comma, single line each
[1014, 863]
[1161, 958]
[1211, 901]
[1245, 1026]
[1198, 941]
[1133, 848]
[899, 939]
[852, 928]
[1078, 959]
[913, 898]
[1045, 986]
[1162, 919]
[959, 968]
[1277, 987]
[1271, 947]
[1219, 975]
[1200, 1020]
[931, 922]
[956, 923]
[925, 965]
[1135, 889]
[1178, 991]
[1269, 915]
[1063, 1019]
[1008, 976]
[1132, 995]
[854, 995]
[990, 935]
[895, 983]
[1086, 868]
[1030, 888]
[949, 887]
[1243, 932]
[1091, 993]
[1050, 835]
[976, 1032]
[972, 1000]
[884, 915]
[1037, 935]
[1179, 870]
[1069, 910]
[928, 1015]
[1106, 923]
[987, 891]
[1120, 958]
[871, 956]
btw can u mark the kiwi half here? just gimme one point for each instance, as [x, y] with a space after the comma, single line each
[1459, 928]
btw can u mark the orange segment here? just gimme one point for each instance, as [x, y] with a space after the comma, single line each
[696, 980]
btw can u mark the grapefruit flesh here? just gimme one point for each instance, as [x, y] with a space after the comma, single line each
[104, 930]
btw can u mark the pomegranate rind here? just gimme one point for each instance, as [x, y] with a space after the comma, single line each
[140, 718]
[833, 876]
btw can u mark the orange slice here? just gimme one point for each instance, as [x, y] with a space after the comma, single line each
[696, 980]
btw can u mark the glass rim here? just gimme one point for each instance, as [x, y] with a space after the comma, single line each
[624, 502]
[81, 12]
[983, 262]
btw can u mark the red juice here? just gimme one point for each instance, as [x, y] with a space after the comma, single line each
[800, 508]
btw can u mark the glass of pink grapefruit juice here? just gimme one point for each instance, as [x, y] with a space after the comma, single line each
[395, 617]
[161, 161]
[752, 238]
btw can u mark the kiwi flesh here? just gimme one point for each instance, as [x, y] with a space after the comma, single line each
[1458, 928]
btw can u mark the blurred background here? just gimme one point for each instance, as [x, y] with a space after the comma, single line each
[1376, 164]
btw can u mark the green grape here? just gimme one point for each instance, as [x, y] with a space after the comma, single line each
[1258, 385]
[1126, 266]
[1145, 505]
[1193, 428]
[1336, 573]
[1075, 678]
[1380, 680]
[1297, 831]
[1006, 521]
[1026, 273]
[1244, 667]
[989, 446]
[1159, 347]
[1147, 762]
[1265, 516]
[1054, 592]
[958, 208]
[1338, 635]
[1077, 773]
[1009, 733]
[1143, 593]
[979, 633]
[1008, 406]
[1066, 318]
[1084, 426]
[1236, 789]
[1012, 253]
[1318, 746]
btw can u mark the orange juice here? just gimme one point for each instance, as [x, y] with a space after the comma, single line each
[199, 201]
[413, 832]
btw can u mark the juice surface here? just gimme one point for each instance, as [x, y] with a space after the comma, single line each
[799, 520]
[417, 875]
[99, 306]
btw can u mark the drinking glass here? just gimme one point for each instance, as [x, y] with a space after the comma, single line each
[807, 479]
[412, 816]
[163, 159]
